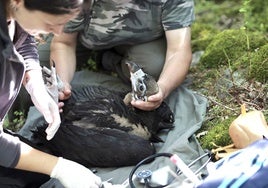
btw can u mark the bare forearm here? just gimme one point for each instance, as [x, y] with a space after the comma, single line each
[64, 58]
[62, 52]
[69, 173]
[35, 160]
[178, 60]
[177, 63]
[174, 73]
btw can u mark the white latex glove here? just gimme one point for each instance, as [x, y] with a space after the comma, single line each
[43, 101]
[72, 175]
[109, 185]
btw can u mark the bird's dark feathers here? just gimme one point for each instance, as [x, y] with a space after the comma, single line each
[102, 107]
[98, 146]
[99, 129]
[108, 110]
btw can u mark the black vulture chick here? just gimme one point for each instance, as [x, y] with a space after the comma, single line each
[99, 129]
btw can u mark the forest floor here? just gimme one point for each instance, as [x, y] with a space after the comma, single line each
[224, 95]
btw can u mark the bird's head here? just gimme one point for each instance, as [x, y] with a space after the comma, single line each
[143, 85]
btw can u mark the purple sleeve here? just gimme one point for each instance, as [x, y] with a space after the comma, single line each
[25, 45]
[9, 149]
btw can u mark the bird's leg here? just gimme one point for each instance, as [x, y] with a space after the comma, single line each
[128, 98]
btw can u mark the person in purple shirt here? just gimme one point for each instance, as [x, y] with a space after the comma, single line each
[19, 64]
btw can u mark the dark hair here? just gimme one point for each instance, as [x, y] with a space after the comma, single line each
[56, 6]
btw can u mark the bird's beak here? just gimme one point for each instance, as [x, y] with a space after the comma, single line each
[137, 81]
[133, 67]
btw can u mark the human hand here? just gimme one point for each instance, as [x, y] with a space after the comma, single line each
[72, 174]
[66, 91]
[35, 86]
[153, 102]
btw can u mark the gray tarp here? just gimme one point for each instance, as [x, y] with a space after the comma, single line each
[189, 109]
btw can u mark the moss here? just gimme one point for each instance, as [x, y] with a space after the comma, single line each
[255, 64]
[259, 65]
[255, 15]
[202, 35]
[229, 45]
[217, 135]
[214, 13]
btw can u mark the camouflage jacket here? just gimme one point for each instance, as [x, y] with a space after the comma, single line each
[111, 22]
